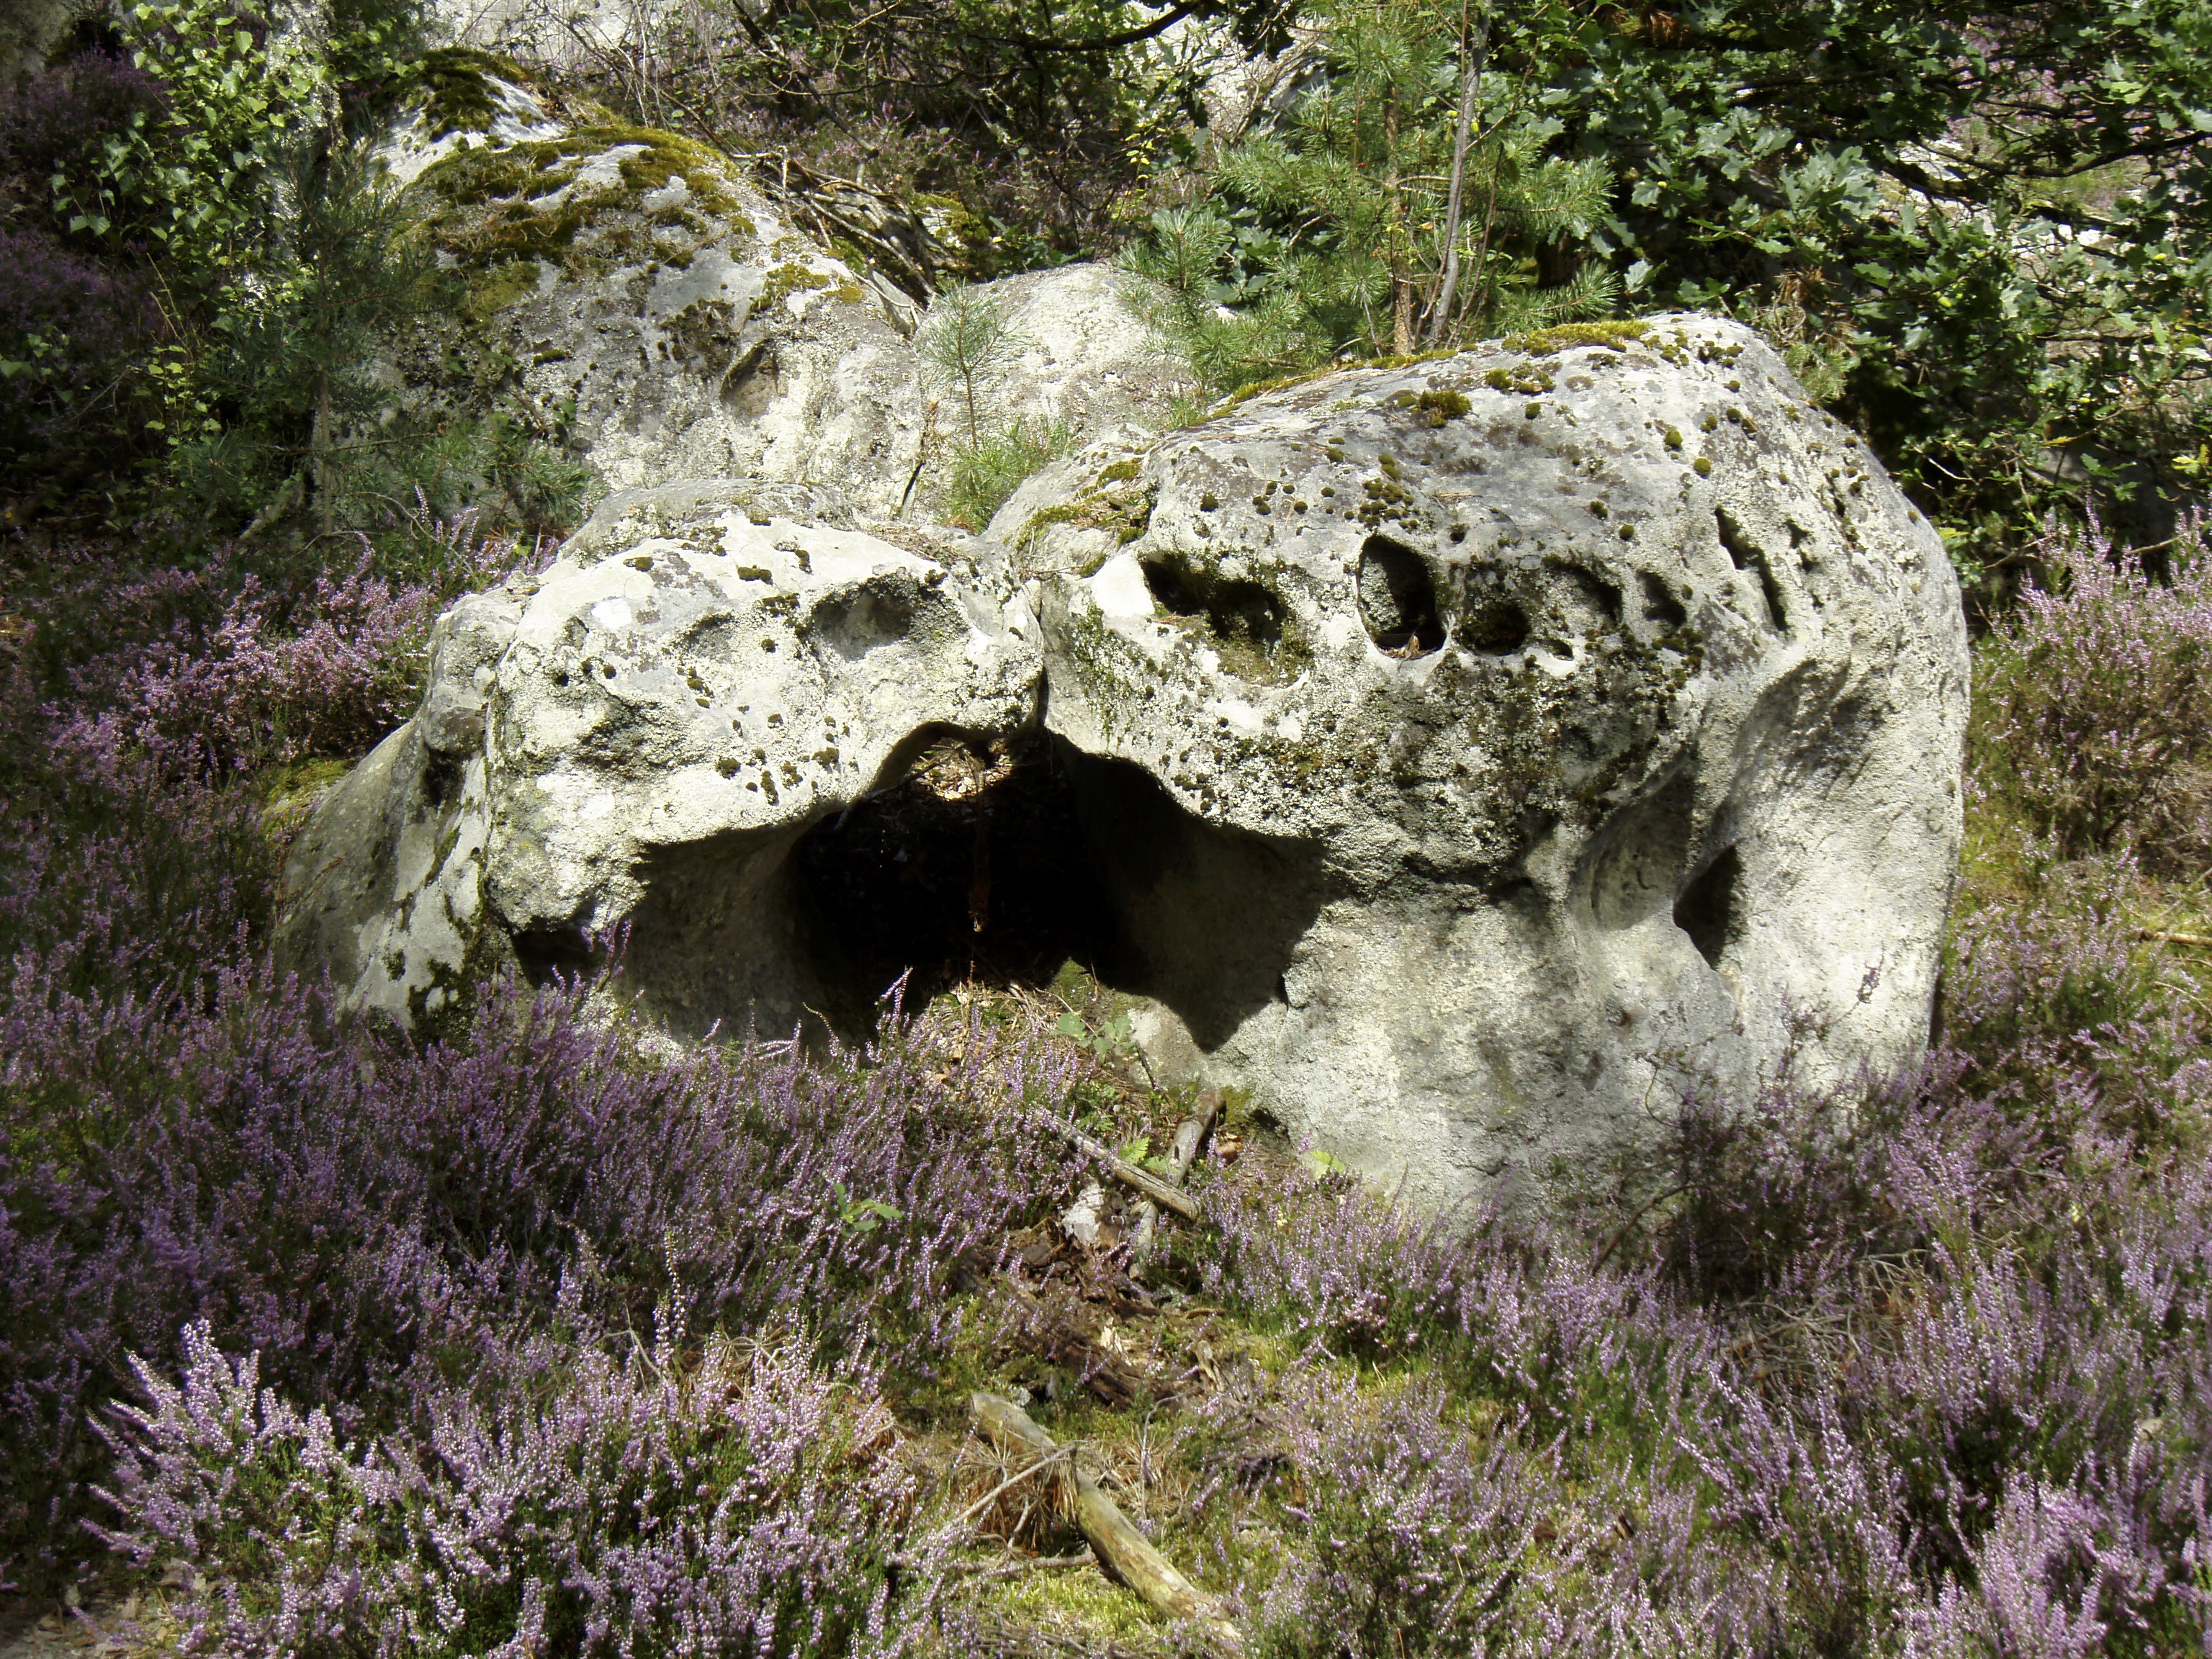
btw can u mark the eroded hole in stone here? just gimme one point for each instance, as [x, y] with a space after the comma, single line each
[878, 612]
[548, 955]
[1244, 616]
[1497, 626]
[1661, 607]
[1747, 555]
[1579, 604]
[753, 383]
[1398, 598]
[1635, 873]
[1741, 554]
[972, 868]
[1710, 910]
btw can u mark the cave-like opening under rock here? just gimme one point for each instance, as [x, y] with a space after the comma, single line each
[972, 868]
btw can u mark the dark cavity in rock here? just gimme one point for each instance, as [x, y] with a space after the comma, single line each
[973, 868]
[1747, 555]
[1398, 598]
[1660, 606]
[1710, 910]
[1497, 626]
[1235, 609]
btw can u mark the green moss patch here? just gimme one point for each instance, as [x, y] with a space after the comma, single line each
[453, 85]
[490, 212]
[1544, 342]
[499, 287]
[1434, 407]
[783, 281]
[1127, 512]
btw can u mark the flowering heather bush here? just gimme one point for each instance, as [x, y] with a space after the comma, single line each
[72, 335]
[1919, 1366]
[733, 1501]
[124, 865]
[331, 678]
[53, 120]
[379, 1220]
[1427, 1535]
[217, 668]
[269, 678]
[2096, 689]
[122, 881]
[1902, 1364]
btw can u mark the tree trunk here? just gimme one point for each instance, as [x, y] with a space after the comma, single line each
[1473, 46]
[1401, 282]
[327, 507]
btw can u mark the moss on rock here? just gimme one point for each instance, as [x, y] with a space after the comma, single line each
[546, 200]
[453, 88]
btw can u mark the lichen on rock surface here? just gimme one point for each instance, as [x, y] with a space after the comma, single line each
[1437, 771]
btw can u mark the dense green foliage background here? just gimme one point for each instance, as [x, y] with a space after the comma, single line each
[1979, 232]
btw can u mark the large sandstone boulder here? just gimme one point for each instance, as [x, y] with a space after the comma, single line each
[637, 738]
[634, 291]
[1449, 754]
[1534, 722]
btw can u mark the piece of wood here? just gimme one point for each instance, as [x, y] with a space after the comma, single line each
[1125, 1553]
[2164, 938]
[1190, 1134]
[1120, 1169]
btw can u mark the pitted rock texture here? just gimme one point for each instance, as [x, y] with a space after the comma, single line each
[1449, 754]
[637, 738]
[1534, 721]
[634, 292]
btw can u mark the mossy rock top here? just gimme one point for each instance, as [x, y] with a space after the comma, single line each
[590, 199]
[457, 89]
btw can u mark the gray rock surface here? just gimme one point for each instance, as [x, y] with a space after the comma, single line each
[1532, 721]
[1451, 751]
[637, 738]
[634, 291]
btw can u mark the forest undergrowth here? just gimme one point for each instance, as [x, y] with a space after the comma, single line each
[540, 1340]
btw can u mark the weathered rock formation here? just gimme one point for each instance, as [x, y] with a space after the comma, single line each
[636, 292]
[1526, 717]
[1440, 751]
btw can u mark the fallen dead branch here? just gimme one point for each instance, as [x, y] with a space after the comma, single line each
[1190, 1135]
[1122, 1171]
[1125, 1553]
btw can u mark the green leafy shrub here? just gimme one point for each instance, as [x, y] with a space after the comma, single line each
[196, 333]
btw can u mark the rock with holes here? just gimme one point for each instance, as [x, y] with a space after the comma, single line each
[1449, 754]
[637, 738]
[1466, 746]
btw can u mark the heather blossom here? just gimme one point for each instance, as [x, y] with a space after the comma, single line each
[546, 1337]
